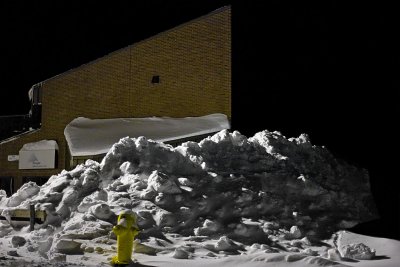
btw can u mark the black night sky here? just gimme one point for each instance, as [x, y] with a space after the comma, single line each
[329, 69]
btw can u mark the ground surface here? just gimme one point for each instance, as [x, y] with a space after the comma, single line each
[386, 255]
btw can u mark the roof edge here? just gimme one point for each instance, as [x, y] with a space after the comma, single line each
[15, 137]
[217, 11]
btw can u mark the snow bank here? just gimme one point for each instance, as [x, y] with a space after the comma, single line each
[139, 155]
[262, 189]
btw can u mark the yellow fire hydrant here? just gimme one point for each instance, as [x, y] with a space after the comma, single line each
[125, 230]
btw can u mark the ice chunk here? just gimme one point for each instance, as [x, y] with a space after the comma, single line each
[180, 253]
[70, 247]
[18, 241]
[226, 244]
[101, 211]
[160, 182]
[358, 251]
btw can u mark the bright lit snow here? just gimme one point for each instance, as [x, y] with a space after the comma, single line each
[40, 145]
[228, 200]
[96, 136]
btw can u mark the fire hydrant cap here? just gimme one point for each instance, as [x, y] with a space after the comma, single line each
[123, 222]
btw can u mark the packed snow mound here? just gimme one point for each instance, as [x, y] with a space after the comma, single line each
[228, 186]
[139, 155]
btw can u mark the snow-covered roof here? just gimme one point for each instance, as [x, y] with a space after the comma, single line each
[96, 136]
[40, 145]
[15, 137]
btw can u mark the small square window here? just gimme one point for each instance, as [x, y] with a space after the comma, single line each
[155, 79]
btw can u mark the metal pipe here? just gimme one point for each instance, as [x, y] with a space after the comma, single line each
[32, 217]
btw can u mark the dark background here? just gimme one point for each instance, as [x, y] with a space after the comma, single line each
[328, 69]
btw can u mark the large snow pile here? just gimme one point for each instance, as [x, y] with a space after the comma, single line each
[226, 187]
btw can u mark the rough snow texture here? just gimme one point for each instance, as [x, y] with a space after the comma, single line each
[357, 251]
[227, 187]
[26, 191]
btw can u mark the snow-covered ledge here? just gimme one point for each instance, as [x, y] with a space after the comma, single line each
[96, 136]
[38, 155]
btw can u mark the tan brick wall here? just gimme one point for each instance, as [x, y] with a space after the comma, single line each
[193, 61]
[194, 64]
[10, 168]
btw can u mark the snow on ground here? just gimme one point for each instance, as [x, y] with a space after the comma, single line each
[227, 200]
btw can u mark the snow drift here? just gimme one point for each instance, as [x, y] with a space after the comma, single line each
[228, 187]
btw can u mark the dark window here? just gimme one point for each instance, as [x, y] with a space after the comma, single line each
[37, 95]
[6, 184]
[155, 79]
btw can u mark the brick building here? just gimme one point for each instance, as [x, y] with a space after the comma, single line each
[182, 72]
